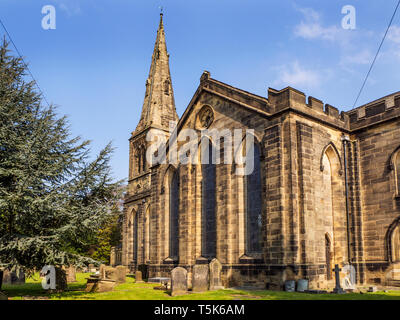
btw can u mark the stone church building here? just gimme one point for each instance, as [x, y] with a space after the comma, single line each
[325, 188]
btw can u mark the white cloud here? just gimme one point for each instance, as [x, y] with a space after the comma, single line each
[297, 76]
[70, 7]
[312, 27]
[310, 14]
[394, 42]
[394, 34]
[359, 57]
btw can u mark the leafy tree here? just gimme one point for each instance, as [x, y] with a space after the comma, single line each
[52, 195]
[108, 236]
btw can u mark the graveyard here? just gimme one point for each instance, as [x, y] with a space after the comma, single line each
[130, 290]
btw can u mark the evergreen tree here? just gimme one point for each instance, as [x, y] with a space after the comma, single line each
[51, 194]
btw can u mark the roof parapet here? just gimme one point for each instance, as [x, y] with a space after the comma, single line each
[295, 99]
[375, 110]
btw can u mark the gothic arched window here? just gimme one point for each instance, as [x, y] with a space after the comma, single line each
[395, 244]
[146, 236]
[174, 216]
[396, 164]
[208, 203]
[135, 236]
[144, 164]
[254, 204]
[138, 161]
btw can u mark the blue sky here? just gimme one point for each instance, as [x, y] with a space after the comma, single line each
[95, 63]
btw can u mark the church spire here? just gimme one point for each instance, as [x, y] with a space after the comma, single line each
[159, 103]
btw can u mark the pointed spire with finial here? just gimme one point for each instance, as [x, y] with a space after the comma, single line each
[159, 104]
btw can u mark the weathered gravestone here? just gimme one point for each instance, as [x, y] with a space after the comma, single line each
[215, 275]
[110, 273]
[96, 284]
[200, 278]
[117, 274]
[178, 281]
[121, 272]
[290, 285]
[144, 269]
[11, 277]
[92, 268]
[138, 276]
[71, 274]
[104, 281]
[349, 279]
[113, 256]
[61, 279]
[338, 289]
[102, 271]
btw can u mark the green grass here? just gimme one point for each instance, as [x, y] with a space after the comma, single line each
[130, 290]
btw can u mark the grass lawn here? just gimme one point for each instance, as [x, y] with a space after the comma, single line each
[144, 291]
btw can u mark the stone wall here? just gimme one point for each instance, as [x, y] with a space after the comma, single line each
[304, 217]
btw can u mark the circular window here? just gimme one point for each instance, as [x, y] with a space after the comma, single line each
[206, 116]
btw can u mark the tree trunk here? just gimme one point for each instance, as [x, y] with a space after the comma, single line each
[1, 278]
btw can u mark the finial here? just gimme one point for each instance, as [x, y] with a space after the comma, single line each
[161, 17]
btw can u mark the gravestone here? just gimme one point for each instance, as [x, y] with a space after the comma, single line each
[290, 285]
[61, 279]
[96, 284]
[105, 285]
[13, 277]
[110, 273]
[6, 277]
[92, 268]
[102, 271]
[178, 281]
[338, 289]
[144, 269]
[117, 274]
[349, 280]
[3, 296]
[373, 289]
[215, 275]
[200, 278]
[71, 274]
[138, 277]
[18, 277]
[112, 257]
[121, 272]
[302, 285]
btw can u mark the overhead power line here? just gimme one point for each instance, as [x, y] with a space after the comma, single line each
[377, 53]
[26, 65]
